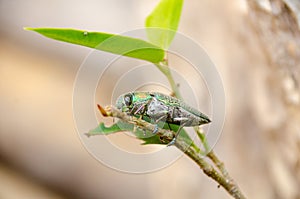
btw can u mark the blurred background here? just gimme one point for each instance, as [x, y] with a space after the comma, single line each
[41, 155]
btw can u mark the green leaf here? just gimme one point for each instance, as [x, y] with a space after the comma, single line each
[101, 129]
[116, 44]
[162, 23]
[147, 136]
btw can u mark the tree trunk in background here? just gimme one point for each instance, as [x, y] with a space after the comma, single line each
[277, 24]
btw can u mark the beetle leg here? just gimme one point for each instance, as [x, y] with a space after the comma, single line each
[155, 130]
[157, 121]
[142, 108]
[169, 126]
[139, 108]
[177, 133]
[161, 118]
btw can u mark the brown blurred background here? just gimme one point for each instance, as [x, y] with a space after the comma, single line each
[41, 155]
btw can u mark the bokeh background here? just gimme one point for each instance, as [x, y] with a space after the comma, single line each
[41, 155]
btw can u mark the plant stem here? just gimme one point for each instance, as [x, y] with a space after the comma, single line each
[220, 165]
[164, 68]
[203, 139]
[194, 152]
[225, 181]
[110, 111]
[191, 150]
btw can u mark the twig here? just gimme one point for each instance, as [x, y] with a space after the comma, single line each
[226, 182]
[211, 154]
[164, 68]
[220, 165]
[229, 183]
[222, 178]
[110, 111]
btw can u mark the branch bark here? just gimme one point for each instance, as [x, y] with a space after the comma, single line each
[222, 177]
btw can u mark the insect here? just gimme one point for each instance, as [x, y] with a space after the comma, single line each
[160, 107]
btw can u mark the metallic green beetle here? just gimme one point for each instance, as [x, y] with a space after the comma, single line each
[160, 107]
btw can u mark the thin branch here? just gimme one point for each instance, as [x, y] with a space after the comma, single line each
[226, 182]
[164, 68]
[211, 154]
[229, 183]
[223, 180]
[220, 165]
[110, 111]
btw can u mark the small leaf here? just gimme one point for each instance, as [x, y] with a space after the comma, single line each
[163, 22]
[152, 140]
[116, 44]
[147, 136]
[101, 129]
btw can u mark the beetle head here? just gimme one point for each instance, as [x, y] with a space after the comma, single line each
[124, 102]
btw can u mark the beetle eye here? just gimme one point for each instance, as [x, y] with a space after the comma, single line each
[128, 99]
